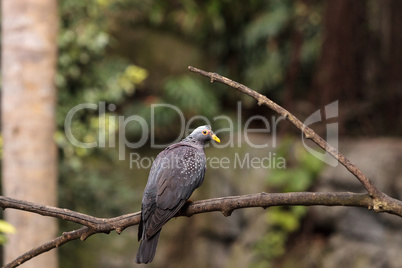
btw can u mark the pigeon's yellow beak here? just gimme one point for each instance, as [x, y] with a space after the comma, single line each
[215, 138]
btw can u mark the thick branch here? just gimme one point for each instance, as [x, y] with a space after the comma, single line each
[226, 205]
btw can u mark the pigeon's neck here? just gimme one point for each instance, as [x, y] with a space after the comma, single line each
[193, 141]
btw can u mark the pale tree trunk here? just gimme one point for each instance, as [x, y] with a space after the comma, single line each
[29, 30]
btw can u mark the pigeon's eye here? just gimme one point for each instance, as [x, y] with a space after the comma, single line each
[204, 132]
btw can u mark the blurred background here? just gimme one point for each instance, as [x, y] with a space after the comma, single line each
[302, 54]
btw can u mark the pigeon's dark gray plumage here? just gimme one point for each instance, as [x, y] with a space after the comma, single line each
[176, 172]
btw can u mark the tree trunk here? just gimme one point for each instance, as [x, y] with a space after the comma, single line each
[390, 64]
[29, 31]
[340, 70]
[341, 66]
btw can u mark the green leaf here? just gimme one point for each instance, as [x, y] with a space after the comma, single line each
[192, 96]
[5, 227]
[286, 220]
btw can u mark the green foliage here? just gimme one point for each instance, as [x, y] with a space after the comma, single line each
[88, 74]
[252, 42]
[272, 244]
[268, 24]
[1, 147]
[286, 219]
[5, 228]
[192, 96]
[302, 170]
[269, 43]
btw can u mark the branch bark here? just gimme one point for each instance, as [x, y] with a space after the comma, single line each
[226, 205]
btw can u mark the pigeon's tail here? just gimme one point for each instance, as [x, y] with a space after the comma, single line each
[147, 249]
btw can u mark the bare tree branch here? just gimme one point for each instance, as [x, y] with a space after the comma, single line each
[61, 240]
[381, 201]
[374, 200]
[226, 205]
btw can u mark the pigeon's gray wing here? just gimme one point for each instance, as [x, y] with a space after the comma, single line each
[172, 180]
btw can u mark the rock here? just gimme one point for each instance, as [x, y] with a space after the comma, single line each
[359, 237]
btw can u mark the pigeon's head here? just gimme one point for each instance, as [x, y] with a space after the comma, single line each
[203, 134]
